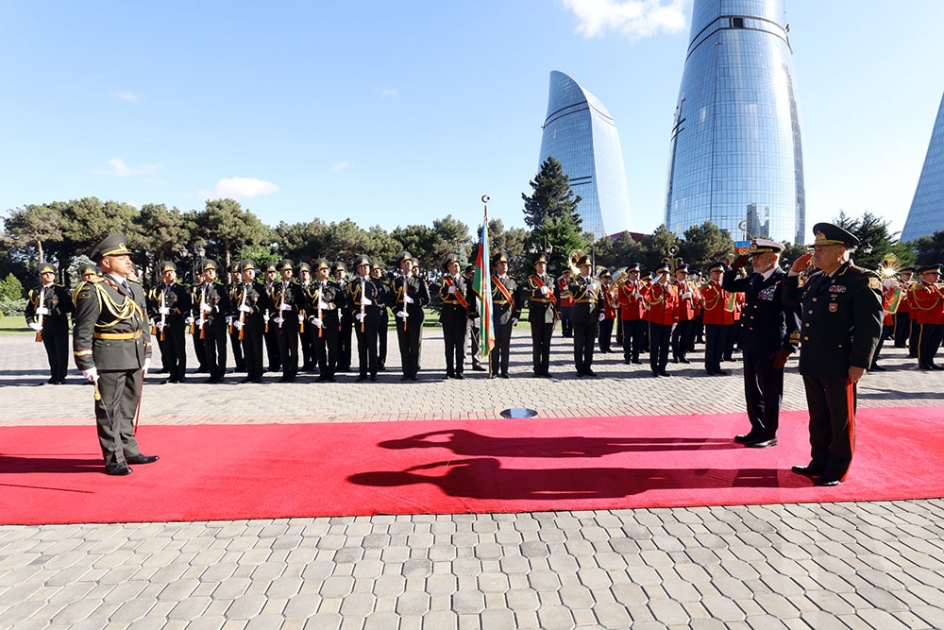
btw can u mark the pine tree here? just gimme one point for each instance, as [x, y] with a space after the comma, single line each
[552, 197]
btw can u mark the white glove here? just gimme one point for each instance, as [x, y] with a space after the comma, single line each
[301, 318]
[265, 317]
[470, 323]
[245, 308]
[147, 364]
[451, 289]
[164, 310]
[229, 320]
[359, 316]
[159, 324]
[602, 316]
[35, 326]
[323, 307]
[686, 295]
[285, 307]
[317, 322]
[408, 300]
[402, 314]
[366, 301]
[91, 374]
[673, 327]
[206, 307]
[189, 319]
[42, 310]
[514, 321]
[201, 322]
[544, 291]
[277, 320]
[238, 324]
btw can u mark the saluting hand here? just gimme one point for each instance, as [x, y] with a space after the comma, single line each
[802, 263]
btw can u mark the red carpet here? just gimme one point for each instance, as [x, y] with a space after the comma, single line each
[216, 472]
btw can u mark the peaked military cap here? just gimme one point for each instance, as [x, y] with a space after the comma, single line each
[635, 266]
[540, 257]
[717, 265]
[451, 258]
[285, 265]
[468, 268]
[683, 268]
[48, 268]
[111, 245]
[209, 264]
[303, 266]
[321, 263]
[168, 265]
[829, 234]
[361, 260]
[931, 268]
[271, 267]
[338, 266]
[765, 246]
[584, 260]
[606, 273]
[246, 265]
[88, 268]
[663, 267]
[499, 257]
[234, 268]
[402, 257]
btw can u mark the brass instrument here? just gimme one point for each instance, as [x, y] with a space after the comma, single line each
[889, 267]
[572, 262]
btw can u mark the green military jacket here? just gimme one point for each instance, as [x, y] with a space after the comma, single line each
[111, 330]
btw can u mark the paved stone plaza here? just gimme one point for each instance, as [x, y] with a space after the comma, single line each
[850, 565]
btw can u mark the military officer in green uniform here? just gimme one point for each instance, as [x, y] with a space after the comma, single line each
[458, 312]
[588, 305]
[89, 271]
[47, 312]
[112, 347]
[542, 315]
[506, 309]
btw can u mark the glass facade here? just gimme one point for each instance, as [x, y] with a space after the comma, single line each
[735, 153]
[581, 135]
[927, 208]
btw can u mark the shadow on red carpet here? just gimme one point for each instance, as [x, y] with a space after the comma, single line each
[227, 472]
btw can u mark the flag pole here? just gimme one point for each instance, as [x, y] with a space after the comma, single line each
[487, 282]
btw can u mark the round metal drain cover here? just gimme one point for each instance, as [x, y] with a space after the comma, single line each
[518, 412]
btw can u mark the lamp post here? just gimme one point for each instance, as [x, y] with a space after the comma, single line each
[198, 253]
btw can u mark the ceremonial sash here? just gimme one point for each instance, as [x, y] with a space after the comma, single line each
[459, 298]
[550, 294]
[502, 288]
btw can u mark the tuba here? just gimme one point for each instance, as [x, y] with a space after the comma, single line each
[574, 257]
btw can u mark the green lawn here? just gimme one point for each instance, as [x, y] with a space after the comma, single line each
[14, 325]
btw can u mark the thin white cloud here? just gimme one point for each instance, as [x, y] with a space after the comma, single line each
[120, 169]
[126, 96]
[634, 18]
[388, 93]
[242, 188]
[340, 166]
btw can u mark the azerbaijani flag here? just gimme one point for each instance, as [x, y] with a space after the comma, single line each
[482, 285]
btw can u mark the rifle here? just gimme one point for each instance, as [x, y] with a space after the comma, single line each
[202, 320]
[39, 320]
[242, 313]
[163, 314]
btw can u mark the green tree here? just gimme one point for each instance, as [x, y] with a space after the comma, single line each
[11, 288]
[551, 197]
[658, 246]
[791, 252]
[875, 241]
[619, 253]
[565, 236]
[705, 244]
[229, 230]
[929, 249]
[34, 225]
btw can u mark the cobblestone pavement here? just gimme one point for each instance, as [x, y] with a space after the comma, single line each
[819, 566]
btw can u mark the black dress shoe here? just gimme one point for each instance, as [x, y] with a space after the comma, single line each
[579, 373]
[406, 377]
[459, 376]
[478, 368]
[373, 378]
[826, 482]
[877, 368]
[505, 375]
[449, 375]
[589, 373]
[656, 374]
[142, 459]
[361, 377]
[414, 377]
[762, 443]
[807, 470]
[935, 366]
[683, 360]
[744, 439]
[664, 373]
[118, 470]
[637, 362]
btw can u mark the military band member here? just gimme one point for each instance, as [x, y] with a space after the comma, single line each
[475, 330]
[287, 300]
[927, 298]
[111, 344]
[212, 308]
[47, 312]
[542, 315]
[661, 299]
[170, 304]
[609, 310]
[364, 294]
[305, 333]
[718, 317]
[903, 314]
[632, 314]
[565, 303]
[683, 332]
[588, 311]
[236, 279]
[457, 314]
[326, 304]
[377, 273]
[505, 313]
[339, 271]
[273, 353]
[841, 323]
[410, 295]
[250, 302]
[769, 335]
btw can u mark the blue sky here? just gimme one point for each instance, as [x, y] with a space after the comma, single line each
[396, 113]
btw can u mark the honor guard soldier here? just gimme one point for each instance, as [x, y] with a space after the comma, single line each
[903, 314]
[170, 304]
[274, 357]
[769, 335]
[286, 299]
[588, 311]
[565, 303]
[927, 298]
[236, 279]
[213, 309]
[196, 332]
[47, 312]
[661, 300]
[251, 302]
[609, 310]
[111, 344]
[632, 312]
[841, 310]
[542, 315]
[410, 296]
[364, 295]
[505, 314]
[339, 271]
[456, 316]
[718, 317]
[326, 303]
[475, 330]
[89, 272]
[305, 333]
[377, 273]
[683, 332]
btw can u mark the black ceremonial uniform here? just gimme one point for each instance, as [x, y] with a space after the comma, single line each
[386, 300]
[54, 331]
[252, 324]
[271, 335]
[196, 331]
[542, 314]
[458, 306]
[366, 320]
[588, 304]
[171, 327]
[346, 324]
[287, 298]
[505, 313]
[409, 328]
[231, 316]
[326, 304]
[215, 331]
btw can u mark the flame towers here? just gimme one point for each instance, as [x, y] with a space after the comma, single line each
[735, 153]
[927, 208]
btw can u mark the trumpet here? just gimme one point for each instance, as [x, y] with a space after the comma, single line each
[889, 267]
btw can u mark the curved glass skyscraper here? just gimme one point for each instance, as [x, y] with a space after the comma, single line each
[927, 208]
[735, 153]
[581, 135]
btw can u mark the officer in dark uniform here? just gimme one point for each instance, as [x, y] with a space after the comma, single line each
[842, 313]
[271, 329]
[769, 335]
[386, 297]
[410, 294]
[213, 308]
[47, 312]
[475, 330]
[111, 344]
[196, 332]
[236, 279]
[542, 314]
[305, 338]
[89, 272]
[363, 305]
[565, 302]
[588, 305]
[251, 301]
[170, 303]
[458, 310]
[287, 299]
[506, 309]
[339, 271]
[327, 301]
